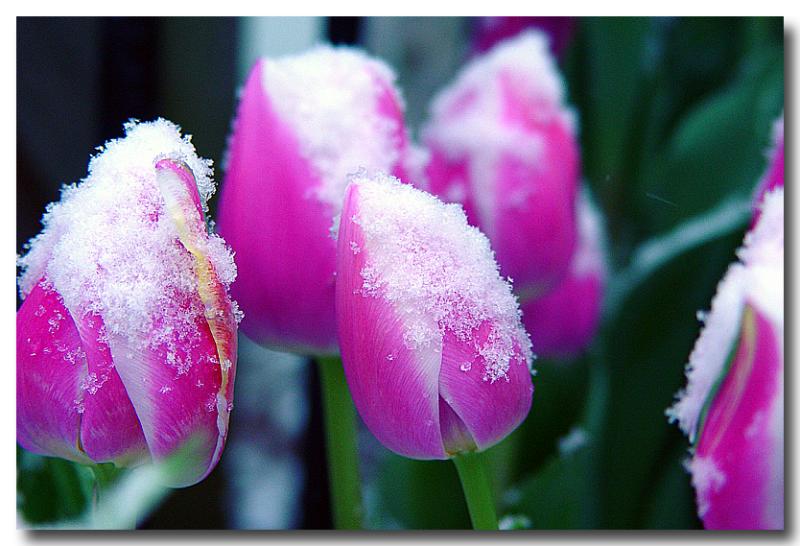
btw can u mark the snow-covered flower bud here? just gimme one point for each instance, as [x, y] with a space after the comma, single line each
[303, 124]
[563, 322]
[432, 344]
[126, 338]
[732, 407]
[503, 144]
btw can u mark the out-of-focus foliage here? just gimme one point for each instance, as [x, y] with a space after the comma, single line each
[675, 116]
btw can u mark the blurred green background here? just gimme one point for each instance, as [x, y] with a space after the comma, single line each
[675, 117]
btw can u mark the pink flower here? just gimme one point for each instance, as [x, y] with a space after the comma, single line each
[304, 123]
[773, 178]
[563, 321]
[126, 338]
[732, 408]
[435, 356]
[503, 144]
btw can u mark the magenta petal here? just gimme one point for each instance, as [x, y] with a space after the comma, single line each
[503, 144]
[395, 388]
[277, 231]
[50, 366]
[420, 303]
[110, 428]
[174, 387]
[464, 388]
[563, 322]
[773, 178]
[738, 463]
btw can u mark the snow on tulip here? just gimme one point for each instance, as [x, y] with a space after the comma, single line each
[732, 407]
[304, 123]
[503, 144]
[773, 177]
[563, 321]
[435, 355]
[126, 338]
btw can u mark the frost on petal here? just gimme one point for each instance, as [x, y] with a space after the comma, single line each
[438, 272]
[432, 344]
[503, 144]
[332, 98]
[131, 247]
[756, 279]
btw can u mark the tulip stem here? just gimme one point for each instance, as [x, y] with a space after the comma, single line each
[105, 475]
[477, 490]
[341, 445]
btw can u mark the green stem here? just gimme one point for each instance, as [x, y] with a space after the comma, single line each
[105, 475]
[341, 445]
[477, 490]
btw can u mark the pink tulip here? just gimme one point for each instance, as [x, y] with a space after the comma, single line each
[732, 408]
[562, 322]
[304, 122]
[503, 144]
[435, 355]
[126, 338]
[491, 30]
[773, 178]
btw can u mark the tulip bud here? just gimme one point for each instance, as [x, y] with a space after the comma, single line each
[732, 408]
[126, 338]
[304, 123]
[491, 30]
[562, 322]
[503, 144]
[435, 355]
[773, 178]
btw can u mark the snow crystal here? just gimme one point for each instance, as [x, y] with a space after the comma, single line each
[108, 247]
[757, 279]
[438, 272]
[329, 97]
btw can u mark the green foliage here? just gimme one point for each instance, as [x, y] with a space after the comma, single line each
[50, 489]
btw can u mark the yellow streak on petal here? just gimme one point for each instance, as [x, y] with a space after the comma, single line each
[189, 222]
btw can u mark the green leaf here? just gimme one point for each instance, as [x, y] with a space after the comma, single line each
[717, 149]
[51, 490]
[647, 347]
[559, 495]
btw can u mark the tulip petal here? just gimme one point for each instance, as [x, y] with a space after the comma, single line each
[394, 387]
[110, 429]
[181, 380]
[773, 177]
[503, 144]
[175, 389]
[304, 123]
[270, 221]
[562, 322]
[50, 366]
[464, 387]
[738, 460]
[418, 293]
